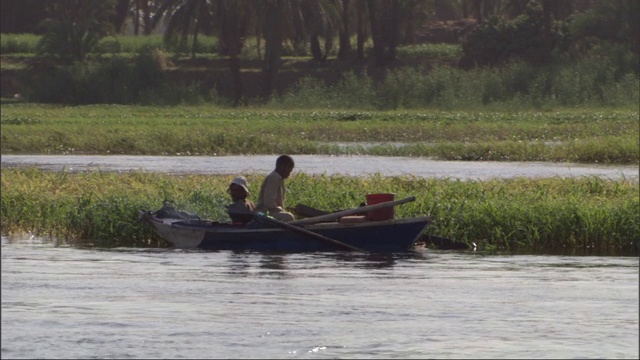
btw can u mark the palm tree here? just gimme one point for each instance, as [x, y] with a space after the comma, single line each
[229, 19]
[187, 19]
[121, 13]
[234, 18]
[414, 13]
[142, 11]
[75, 27]
[276, 16]
[282, 19]
[385, 20]
[345, 43]
[361, 27]
[321, 18]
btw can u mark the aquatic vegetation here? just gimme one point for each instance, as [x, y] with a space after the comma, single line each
[568, 135]
[102, 208]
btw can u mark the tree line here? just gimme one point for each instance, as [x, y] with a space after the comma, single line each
[529, 29]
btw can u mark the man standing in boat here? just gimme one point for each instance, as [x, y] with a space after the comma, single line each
[272, 191]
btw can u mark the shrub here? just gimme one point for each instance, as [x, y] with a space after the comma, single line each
[74, 30]
[610, 20]
[115, 80]
[350, 92]
[590, 81]
[497, 40]
[18, 43]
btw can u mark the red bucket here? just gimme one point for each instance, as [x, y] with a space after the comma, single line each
[384, 213]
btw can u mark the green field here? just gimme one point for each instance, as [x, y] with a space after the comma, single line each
[570, 135]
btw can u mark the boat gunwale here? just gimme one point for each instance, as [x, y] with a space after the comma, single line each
[227, 227]
[181, 233]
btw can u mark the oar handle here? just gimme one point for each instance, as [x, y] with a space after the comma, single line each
[361, 209]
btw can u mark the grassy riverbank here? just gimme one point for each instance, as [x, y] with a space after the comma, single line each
[102, 208]
[573, 135]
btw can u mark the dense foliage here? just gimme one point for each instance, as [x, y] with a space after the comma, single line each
[74, 28]
[376, 46]
[499, 40]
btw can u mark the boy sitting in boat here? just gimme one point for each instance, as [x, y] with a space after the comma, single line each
[273, 190]
[241, 208]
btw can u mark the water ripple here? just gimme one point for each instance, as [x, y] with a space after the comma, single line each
[72, 303]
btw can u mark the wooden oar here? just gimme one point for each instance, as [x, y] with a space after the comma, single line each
[339, 214]
[306, 232]
[308, 211]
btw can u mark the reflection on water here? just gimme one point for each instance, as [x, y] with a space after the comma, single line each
[273, 266]
[67, 302]
[375, 261]
[279, 265]
[273, 260]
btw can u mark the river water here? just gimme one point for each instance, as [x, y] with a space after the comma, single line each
[66, 302]
[63, 302]
[322, 164]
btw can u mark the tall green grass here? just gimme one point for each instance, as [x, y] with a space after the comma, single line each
[589, 82]
[102, 208]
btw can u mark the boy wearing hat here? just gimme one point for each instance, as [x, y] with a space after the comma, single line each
[241, 208]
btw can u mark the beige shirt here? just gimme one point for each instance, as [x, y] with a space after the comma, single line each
[271, 197]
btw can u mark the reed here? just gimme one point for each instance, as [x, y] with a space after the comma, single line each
[585, 135]
[593, 81]
[101, 209]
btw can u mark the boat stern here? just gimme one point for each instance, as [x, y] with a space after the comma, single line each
[178, 237]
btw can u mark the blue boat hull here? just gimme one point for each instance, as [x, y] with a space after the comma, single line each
[373, 236]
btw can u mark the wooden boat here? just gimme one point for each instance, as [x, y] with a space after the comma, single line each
[331, 232]
[395, 235]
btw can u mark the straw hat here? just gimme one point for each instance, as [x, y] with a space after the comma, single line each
[242, 182]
